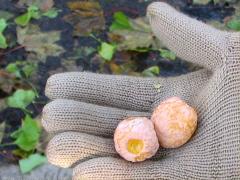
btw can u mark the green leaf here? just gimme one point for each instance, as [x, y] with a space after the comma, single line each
[151, 71]
[3, 42]
[52, 13]
[23, 20]
[28, 69]
[121, 21]
[3, 25]
[234, 24]
[32, 9]
[21, 98]
[167, 54]
[13, 68]
[28, 135]
[107, 51]
[34, 160]
[32, 12]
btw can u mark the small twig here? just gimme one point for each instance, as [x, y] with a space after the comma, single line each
[7, 144]
[12, 50]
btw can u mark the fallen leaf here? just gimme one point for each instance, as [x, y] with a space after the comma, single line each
[21, 67]
[13, 68]
[7, 81]
[86, 17]
[121, 21]
[24, 19]
[29, 68]
[27, 136]
[107, 51]
[3, 26]
[126, 68]
[123, 63]
[33, 161]
[41, 43]
[140, 37]
[21, 98]
[44, 5]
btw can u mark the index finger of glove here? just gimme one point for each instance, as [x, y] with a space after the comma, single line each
[124, 92]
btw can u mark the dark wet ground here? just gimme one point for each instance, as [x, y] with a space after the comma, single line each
[133, 9]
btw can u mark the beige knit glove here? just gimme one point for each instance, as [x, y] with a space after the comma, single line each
[87, 107]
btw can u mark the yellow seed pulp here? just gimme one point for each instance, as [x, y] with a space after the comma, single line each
[135, 146]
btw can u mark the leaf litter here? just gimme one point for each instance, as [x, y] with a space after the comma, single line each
[43, 44]
[86, 17]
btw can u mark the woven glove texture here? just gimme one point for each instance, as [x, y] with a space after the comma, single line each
[87, 107]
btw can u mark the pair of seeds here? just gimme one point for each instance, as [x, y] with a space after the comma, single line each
[172, 124]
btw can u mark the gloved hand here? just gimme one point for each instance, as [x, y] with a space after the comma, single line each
[87, 107]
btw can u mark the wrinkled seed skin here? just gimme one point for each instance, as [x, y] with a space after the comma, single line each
[175, 122]
[139, 128]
